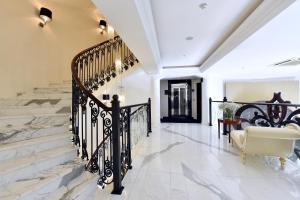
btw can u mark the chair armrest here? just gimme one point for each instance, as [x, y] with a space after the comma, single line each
[272, 132]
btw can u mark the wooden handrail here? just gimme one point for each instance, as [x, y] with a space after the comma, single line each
[77, 80]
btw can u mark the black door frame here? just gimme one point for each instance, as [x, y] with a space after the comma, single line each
[189, 82]
[199, 101]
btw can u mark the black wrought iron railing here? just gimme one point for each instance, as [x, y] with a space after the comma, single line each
[103, 133]
[273, 113]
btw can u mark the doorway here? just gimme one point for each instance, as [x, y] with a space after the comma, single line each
[181, 100]
[179, 106]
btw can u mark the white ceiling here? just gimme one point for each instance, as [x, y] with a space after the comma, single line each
[176, 19]
[277, 41]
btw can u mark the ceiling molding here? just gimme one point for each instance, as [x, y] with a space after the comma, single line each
[146, 14]
[264, 13]
[178, 67]
[254, 80]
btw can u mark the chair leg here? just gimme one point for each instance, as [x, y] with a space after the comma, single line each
[243, 155]
[282, 162]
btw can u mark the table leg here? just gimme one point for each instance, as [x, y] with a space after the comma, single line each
[219, 129]
[229, 132]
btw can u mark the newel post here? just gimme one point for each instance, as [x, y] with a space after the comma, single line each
[210, 114]
[149, 117]
[117, 179]
[224, 125]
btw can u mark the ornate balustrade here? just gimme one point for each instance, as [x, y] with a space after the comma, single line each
[101, 132]
[273, 113]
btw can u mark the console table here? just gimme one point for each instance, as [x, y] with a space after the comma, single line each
[228, 122]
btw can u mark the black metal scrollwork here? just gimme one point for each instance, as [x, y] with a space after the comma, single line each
[94, 112]
[92, 124]
[273, 113]
[107, 123]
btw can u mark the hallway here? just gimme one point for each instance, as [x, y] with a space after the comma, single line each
[187, 161]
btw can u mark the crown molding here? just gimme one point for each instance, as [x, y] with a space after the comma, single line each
[264, 13]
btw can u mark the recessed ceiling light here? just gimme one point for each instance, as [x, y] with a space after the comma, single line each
[189, 38]
[203, 5]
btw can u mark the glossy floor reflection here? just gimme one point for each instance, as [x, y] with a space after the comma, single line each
[188, 161]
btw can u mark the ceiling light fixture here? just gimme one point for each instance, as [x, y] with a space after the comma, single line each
[189, 38]
[203, 6]
[105, 97]
[45, 15]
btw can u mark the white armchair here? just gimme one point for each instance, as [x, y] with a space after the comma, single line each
[268, 141]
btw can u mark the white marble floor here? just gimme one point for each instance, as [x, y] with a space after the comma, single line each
[188, 161]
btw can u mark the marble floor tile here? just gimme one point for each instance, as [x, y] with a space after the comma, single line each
[188, 161]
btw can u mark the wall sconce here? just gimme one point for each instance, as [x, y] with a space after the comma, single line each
[102, 25]
[105, 97]
[45, 15]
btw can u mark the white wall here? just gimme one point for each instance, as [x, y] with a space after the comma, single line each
[137, 87]
[155, 100]
[262, 90]
[163, 99]
[213, 86]
[132, 87]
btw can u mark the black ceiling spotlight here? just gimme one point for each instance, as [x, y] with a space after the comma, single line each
[105, 96]
[102, 25]
[45, 15]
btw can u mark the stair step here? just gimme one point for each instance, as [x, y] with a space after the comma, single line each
[53, 90]
[44, 183]
[29, 166]
[79, 188]
[33, 146]
[9, 123]
[23, 128]
[45, 96]
[34, 102]
[60, 85]
[28, 110]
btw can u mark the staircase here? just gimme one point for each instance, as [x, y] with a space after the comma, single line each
[37, 157]
[61, 141]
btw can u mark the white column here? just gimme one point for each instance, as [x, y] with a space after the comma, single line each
[155, 97]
